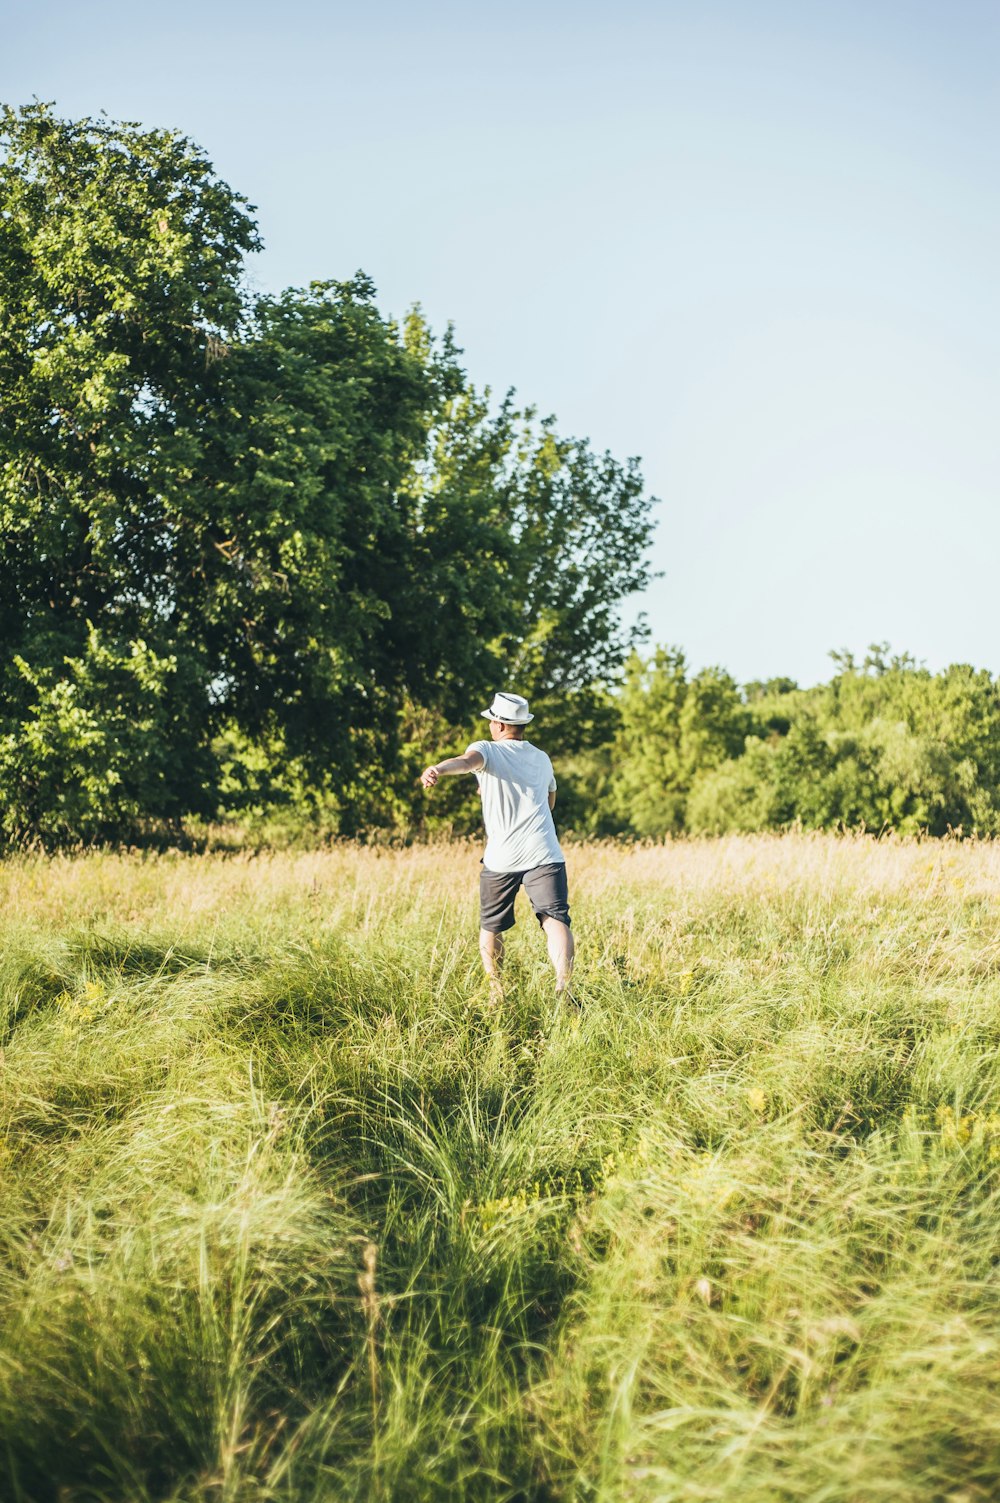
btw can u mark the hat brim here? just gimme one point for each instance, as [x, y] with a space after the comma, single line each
[504, 719]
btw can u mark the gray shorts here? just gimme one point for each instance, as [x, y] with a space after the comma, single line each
[546, 886]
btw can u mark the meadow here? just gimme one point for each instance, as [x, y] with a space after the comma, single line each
[291, 1211]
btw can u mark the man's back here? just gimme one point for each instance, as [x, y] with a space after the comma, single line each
[515, 782]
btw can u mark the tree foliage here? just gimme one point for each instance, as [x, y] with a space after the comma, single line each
[884, 744]
[300, 512]
[278, 550]
[670, 727]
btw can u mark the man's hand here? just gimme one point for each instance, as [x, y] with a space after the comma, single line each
[429, 776]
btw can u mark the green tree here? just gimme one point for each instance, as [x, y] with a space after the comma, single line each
[120, 263]
[299, 569]
[884, 744]
[670, 729]
[95, 745]
[647, 792]
[304, 509]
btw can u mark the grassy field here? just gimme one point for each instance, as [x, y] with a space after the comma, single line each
[289, 1212]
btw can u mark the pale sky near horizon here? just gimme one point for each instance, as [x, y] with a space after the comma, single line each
[754, 243]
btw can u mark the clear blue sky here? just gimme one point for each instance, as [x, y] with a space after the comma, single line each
[753, 241]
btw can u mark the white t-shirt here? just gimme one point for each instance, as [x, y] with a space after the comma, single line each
[515, 782]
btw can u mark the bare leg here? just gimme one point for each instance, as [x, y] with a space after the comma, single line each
[559, 938]
[491, 950]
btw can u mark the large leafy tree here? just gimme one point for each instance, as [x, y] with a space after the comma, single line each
[120, 262]
[296, 551]
[282, 521]
[571, 532]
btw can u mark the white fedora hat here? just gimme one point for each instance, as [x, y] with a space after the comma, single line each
[512, 709]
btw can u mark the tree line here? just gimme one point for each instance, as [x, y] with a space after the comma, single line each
[883, 745]
[261, 556]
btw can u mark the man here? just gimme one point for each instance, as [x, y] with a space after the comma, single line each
[518, 790]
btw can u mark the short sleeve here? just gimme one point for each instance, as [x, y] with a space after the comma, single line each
[552, 778]
[485, 750]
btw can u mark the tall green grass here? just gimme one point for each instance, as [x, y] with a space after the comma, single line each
[290, 1211]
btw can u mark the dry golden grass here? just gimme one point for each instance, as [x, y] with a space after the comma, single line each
[359, 884]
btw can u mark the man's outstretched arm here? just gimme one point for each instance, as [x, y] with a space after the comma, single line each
[470, 761]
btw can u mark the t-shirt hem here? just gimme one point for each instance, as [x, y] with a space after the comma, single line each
[508, 871]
